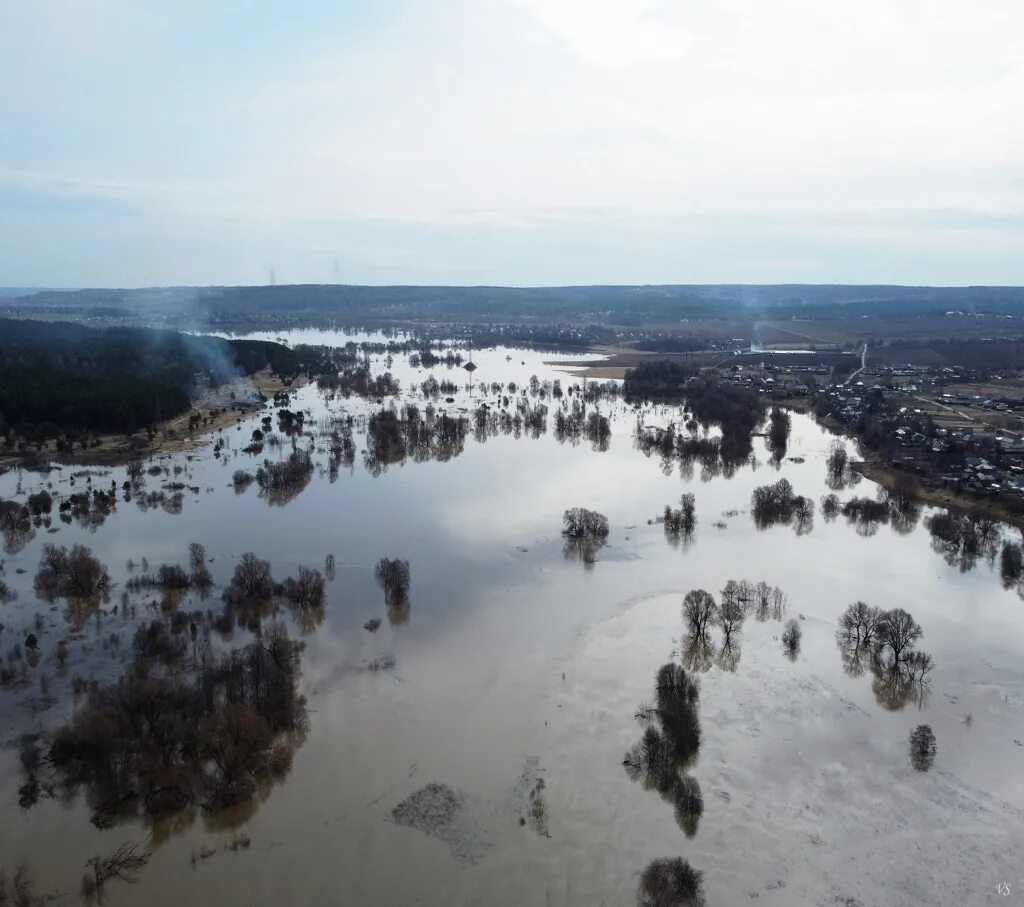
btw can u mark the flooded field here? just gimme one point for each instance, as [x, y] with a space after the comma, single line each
[460, 734]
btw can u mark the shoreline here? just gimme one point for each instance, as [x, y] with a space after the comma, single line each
[882, 474]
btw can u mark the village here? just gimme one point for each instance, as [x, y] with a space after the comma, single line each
[953, 428]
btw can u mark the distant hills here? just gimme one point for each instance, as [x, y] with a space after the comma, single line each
[625, 305]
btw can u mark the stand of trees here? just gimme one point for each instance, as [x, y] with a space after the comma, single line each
[777, 503]
[737, 410]
[585, 532]
[884, 643]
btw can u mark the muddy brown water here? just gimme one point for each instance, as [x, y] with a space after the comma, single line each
[516, 665]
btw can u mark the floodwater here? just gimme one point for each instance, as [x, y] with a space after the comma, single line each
[515, 664]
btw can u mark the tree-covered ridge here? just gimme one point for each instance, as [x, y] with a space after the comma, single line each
[621, 305]
[57, 377]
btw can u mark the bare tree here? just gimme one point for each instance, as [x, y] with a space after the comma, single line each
[582, 523]
[730, 593]
[858, 625]
[699, 611]
[196, 556]
[730, 616]
[791, 637]
[252, 580]
[898, 631]
[124, 863]
[922, 747]
[778, 603]
[836, 464]
[307, 590]
[762, 600]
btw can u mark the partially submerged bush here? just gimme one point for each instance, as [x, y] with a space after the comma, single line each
[124, 864]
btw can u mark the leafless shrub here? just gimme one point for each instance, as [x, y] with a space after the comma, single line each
[124, 864]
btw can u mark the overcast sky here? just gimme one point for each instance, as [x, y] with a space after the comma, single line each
[511, 141]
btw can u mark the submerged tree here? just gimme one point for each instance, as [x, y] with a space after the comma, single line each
[15, 526]
[251, 581]
[858, 626]
[681, 522]
[922, 747]
[394, 577]
[578, 522]
[1011, 563]
[730, 616]
[307, 589]
[837, 465]
[791, 637]
[669, 743]
[778, 432]
[199, 574]
[282, 481]
[585, 531]
[670, 882]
